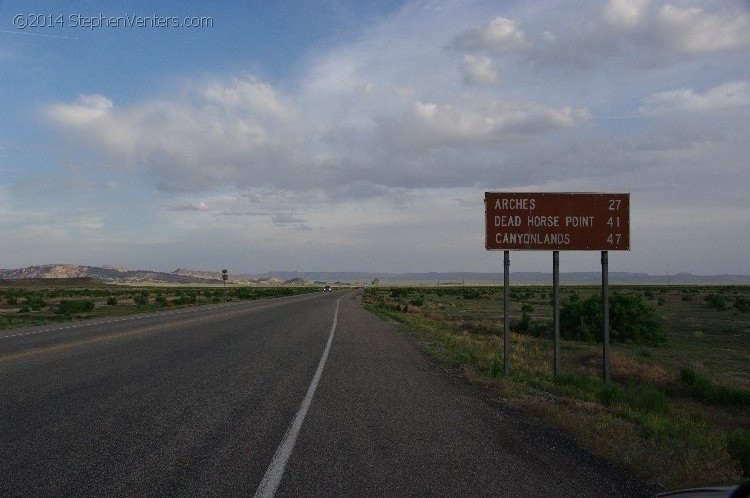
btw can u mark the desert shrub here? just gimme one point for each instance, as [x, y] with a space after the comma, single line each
[630, 319]
[141, 299]
[717, 301]
[36, 303]
[528, 326]
[714, 394]
[496, 368]
[643, 398]
[522, 326]
[418, 301]
[68, 307]
[520, 294]
[398, 292]
[472, 294]
[243, 293]
[161, 300]
[742, 304]
[480, 327]
[111, 301]
[580, 320]
[739, 448]
[187, 298]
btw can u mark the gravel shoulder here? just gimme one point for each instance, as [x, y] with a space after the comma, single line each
[387, 421]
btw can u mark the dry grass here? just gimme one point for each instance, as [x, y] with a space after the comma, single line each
[625, 369]
[649, 419]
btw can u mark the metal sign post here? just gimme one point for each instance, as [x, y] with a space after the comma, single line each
[556, 311]
[506, 312]
[605, 315]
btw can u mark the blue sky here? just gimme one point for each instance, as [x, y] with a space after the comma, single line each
[338, 135]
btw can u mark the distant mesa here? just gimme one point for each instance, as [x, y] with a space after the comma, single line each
[119, 268]
[121, 275]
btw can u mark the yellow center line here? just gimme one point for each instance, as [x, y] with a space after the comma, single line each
[120, 335]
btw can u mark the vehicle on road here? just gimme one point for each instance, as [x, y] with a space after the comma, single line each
[327, 288]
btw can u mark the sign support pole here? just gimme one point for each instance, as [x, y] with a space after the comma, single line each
[556, 312]
[605, 314]
[506, 312]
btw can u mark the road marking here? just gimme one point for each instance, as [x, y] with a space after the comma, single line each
[116, 320]
[275, 471]
[144, 316]
[129, 333]
[83, 342]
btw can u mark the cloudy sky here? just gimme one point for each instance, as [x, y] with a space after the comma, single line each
[361, 136]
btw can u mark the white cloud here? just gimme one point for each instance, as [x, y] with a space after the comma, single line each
[86, 223]
[87, 110]
[186, 146]
[499, 37]
[469, 123]
[478, 69]
[191, 206]
[642, 33]
[732, 97]
[625, 14]
[693, 31]
[249, 96]
[241, 134]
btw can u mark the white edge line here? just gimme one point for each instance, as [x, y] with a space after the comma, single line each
[275, 471]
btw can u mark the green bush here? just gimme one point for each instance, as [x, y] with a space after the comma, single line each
[161, 300]
[418, 301]
[630, 319]
[714, 394]
[739, 448]
[187, 298]
[580, 320]
[141, 299]
[717, 301]
[643, 398]
[742, 304]
[111, 301]
[497, 367]
[36, 303]
[472, 294]
[68, 307]
[398, 292]
[245, 293]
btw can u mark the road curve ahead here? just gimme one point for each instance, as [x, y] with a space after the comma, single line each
[201, 401]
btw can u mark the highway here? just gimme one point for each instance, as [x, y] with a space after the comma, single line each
[301, 396]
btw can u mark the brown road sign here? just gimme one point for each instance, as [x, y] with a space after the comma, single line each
[557, 221]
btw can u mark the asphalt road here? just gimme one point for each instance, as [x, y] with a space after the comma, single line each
[202, 401]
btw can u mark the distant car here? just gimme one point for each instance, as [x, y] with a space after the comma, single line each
[327, 288]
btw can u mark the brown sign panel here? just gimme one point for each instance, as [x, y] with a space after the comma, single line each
[557, 221]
